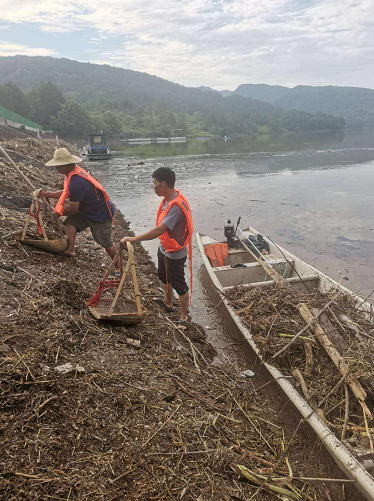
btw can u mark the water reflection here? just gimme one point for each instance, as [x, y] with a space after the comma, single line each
[250, 144]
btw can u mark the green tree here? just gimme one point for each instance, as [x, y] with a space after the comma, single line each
[107, 123]
[12, 98]
[72, 120]
[46, 101]
[112, 124]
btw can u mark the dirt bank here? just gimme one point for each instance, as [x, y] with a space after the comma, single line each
[155, 422]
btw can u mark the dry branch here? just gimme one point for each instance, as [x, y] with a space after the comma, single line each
[335, 356]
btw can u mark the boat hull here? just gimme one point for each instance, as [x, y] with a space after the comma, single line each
[345, 460]
[90, 156]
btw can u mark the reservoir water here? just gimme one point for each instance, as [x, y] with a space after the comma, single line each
[312, 194]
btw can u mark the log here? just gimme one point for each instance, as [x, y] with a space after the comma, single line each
[335, 356]
[309, 359]
[332, 333]
[313, 319]
[342, 346]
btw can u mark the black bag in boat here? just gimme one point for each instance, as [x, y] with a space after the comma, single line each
[258, 242]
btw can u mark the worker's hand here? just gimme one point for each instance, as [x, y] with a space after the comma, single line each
[55, 215]
[128, 239]
[37, 193]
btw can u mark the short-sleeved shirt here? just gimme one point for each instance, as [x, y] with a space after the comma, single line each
[175, 220]
[91, 200]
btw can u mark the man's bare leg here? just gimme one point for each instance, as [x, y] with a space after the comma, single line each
[71, 233]
[183, 301]
[112, 251]
[168, 299]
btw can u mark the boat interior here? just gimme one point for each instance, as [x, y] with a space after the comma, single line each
[236, 267]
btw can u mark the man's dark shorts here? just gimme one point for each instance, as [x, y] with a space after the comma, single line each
[175, 272]
[101, 230]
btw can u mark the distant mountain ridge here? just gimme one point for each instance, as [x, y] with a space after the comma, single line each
[355, 104]
[263, 92]
[146, 104]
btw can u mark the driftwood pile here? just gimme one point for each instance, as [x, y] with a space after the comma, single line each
[87, 413]
[332, 359]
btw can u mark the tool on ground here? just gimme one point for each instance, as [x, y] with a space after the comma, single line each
[56, 245]
[120, 309]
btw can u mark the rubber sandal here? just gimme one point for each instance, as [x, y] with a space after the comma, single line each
[117, 275]
[182, 324]
[160, 302]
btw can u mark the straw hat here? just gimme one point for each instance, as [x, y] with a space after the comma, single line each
[62, 157]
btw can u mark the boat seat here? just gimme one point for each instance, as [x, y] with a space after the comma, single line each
[217, 253]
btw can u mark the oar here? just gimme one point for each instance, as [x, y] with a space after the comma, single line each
[48, 204]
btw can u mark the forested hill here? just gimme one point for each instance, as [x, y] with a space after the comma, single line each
[355, 104]
[90, 83]
[263, 92]
[138, 103]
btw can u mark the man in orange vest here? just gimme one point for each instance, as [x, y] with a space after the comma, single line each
[174, 228]
[89, 205]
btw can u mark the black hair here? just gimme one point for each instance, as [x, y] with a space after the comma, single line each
[165, 174]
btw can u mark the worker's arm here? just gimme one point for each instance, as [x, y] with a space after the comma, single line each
[150, 235]
[51, 194]
[69, 210]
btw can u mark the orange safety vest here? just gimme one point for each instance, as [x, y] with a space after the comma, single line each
[170, 244]
[78, 171]
[217, 253]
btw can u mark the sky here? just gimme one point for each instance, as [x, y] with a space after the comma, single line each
[215, 43]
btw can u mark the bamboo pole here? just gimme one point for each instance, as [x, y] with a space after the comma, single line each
[120, 286]
[305, 328]
[269, 270]
[29, 183]
[135, 282]
[335, 356]
[112, 265]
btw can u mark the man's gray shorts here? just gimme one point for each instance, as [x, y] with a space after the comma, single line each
[101, 230]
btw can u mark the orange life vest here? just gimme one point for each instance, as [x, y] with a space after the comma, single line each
[78, 171]
[217, 253]
[170, 244]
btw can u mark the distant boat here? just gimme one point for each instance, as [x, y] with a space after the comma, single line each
[97, 149]
[153, 140]
[178, 139]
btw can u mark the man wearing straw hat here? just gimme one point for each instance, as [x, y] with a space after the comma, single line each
[89, 205]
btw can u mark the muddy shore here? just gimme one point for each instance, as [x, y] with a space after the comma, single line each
[160, 421]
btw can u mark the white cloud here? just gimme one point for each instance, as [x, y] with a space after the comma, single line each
[9, 49]
[56, 29]
[221, 43]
